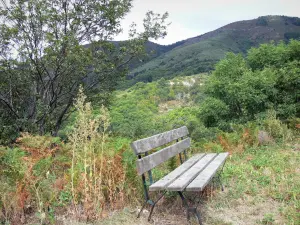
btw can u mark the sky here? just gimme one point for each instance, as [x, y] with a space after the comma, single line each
[190, 18]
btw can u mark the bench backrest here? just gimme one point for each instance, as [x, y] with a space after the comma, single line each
[143, 146]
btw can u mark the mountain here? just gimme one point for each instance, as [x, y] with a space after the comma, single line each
[153, 50]
[201, 53]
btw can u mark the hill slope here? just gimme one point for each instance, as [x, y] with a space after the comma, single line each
[200, 54]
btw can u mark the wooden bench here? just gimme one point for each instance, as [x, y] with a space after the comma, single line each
[192, 175]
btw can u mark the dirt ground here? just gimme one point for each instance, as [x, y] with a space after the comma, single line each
[214, 211]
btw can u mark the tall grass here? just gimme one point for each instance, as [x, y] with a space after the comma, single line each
[42, 175]
[96, 178]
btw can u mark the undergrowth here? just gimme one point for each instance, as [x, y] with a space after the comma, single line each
[94, 172]
[42, 176]
[264, 173]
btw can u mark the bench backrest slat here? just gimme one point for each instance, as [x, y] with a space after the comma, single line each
[148, 162]
[146, 144]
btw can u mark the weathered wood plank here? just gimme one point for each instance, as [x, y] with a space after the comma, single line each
[184, 180]
[199, 183]
[169, 178]
[148, 162]
[146, 144]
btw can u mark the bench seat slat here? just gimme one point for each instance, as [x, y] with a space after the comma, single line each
[199, 183]
[183, 181]
[169, 178]
[148, 162]
[146, 144]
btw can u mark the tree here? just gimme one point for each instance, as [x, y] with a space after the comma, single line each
[45, 56]
[240, 89]
[261, 21]
[212, 111]
[224, 83]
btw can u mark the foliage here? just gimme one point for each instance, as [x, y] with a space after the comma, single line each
[269, 78]
[292, 35]
[236, 141]
[213, 111]
[132, 116]
[94, 179]
[265, 173]
[262, 21]
[44, 59]
[200, 54]
[42, 174]
[146, 109]
[96, 169]
[27, 173]
[294, 124]
[295, 21]
[276, 128]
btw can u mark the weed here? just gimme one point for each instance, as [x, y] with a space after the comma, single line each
[268, 219]
[276, 128]
[96, 177]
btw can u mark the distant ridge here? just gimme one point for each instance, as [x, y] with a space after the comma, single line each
[200, 54]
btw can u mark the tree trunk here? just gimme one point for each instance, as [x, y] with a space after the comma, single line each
[61, 117]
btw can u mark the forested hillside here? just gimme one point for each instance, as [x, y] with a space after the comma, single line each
[200, 54]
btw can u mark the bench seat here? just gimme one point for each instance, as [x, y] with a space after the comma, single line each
[193, 175]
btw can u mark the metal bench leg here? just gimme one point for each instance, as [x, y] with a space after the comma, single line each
[219, 180]
[218, 177]
[142, 209]
[150, 202]
[190, 209]
[153, 205]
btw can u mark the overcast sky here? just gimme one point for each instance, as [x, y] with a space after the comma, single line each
[191, 18]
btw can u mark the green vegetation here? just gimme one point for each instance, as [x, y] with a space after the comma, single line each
[262, 21]
[44, 59]
[262, 186]
[200, 54]
[248, 106]
[144, 109]
[292, 35]
[295, 21]
[241, 89]
[262, 180]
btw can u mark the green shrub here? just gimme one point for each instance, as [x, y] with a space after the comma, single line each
[276, 128]
[202, 133]
[294, 124]
[240, 89]
[213, 111]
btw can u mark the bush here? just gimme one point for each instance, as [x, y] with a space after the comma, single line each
[213, 111]
[26, 175]
[12, 171]
[89, 172]
[294, 124]
[276, 128]
[239, 89]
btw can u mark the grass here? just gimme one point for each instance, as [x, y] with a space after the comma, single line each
[262, 187]
[262, 183]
